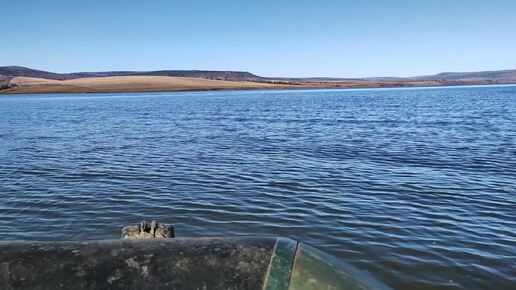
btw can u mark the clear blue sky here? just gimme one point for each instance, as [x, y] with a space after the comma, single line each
[270, 38]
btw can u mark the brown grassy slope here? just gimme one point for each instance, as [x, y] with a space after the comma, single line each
[26, 85]
[124, 84]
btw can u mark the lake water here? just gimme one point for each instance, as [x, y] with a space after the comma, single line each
[415, 186]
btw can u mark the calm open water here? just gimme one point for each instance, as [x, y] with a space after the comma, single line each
[416, 186]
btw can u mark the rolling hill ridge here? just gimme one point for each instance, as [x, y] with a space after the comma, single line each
[17, 79]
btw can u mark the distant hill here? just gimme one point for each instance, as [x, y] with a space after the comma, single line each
[485, 75]
[16, 79]
[501, 76]
[18, 71]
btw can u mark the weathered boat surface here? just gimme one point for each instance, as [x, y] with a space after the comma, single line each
[181, 263]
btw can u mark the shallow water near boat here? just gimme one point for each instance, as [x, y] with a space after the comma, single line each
[415, 186]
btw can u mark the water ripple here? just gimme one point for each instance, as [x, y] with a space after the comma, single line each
[415, 186]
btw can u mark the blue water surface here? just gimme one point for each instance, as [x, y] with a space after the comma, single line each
[415, 186]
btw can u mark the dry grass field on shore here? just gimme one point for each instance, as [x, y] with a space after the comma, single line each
[27, 85]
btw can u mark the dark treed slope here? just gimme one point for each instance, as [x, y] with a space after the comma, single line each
[18, 71]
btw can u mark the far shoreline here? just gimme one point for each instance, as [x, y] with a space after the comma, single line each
[22, 80]
[9, 92]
